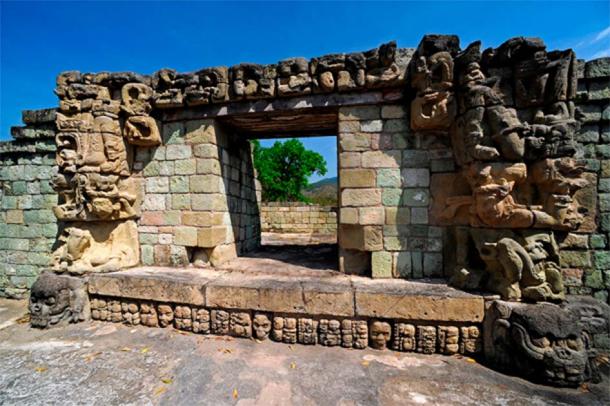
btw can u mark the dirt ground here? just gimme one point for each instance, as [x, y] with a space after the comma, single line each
[109, 364]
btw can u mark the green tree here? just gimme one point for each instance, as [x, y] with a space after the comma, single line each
[283, 169]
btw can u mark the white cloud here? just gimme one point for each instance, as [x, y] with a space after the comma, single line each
[601, 54]
[602, 34]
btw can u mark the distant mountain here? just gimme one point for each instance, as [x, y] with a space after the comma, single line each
[323, 192]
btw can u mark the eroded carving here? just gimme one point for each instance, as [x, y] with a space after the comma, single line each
[57, 299]
[543, 341]
[101, 247]
[380, 334]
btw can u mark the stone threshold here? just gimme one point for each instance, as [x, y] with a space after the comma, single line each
[316, 293]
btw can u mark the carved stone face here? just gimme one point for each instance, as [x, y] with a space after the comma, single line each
[261, 326]
[49, 302]
[166, 315]
[380, 334]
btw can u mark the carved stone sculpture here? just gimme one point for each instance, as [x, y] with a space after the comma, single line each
[207, 86]
[518, 266]
[434, 105]
[330, 332]
[404, 337]
[543, 342]
[380, 334]
[183, 319]
[56, 299]
[261, 326]
[103, 247]
[307, 331]
[131, 313]
[165, 314]
[251, 81]
[448, 339]
[240, 324]
[293, 77]
[201, 321]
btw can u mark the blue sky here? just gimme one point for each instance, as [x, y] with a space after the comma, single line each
[39, 40]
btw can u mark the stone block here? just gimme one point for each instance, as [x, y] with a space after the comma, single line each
[381, 264]
[202, 219]
[396, 125]
[170, 286]
[349, 215]
[371, 126]
[403, 264]
[360, 197]
[209, 202]
[415, 177]
[575, 259]
[157, 185]
[208, 167]
[179, 184]
[389, 177]
[355, 142]
[371, 215]
[222, 253]
[185, 166]
[393, 111]
[419, 215]
[334, 298]
[357, 178]
[415, 197]
[209, 237]
[358, 113]
[14, 216]
[352, 160]
[201, 131]
[349, 127]
[397, 215]
[206, 184]
[381, 159]
[415, 301]
[187, 236]
[181, 201]
[363, 238]
[391, 197]
[206, 151]
[177, 151]
[173, 133]
[433, 265]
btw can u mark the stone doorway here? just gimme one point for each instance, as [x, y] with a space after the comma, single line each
[294, 236]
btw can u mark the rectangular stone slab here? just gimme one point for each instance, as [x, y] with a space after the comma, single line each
[398, 299]
[158, 284]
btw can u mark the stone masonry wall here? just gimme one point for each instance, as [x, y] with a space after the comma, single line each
[27, 224]
[585, 258]
[295, 217]
[200, 201]
[384, 195]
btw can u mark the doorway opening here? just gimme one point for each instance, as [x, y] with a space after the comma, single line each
[296, 170]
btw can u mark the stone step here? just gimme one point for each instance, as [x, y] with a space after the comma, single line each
[314, 293]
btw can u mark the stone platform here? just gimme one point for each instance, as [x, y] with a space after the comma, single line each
[249, 284]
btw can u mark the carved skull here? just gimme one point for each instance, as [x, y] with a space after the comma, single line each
[380, 334]
[261, 326]
[55, 298]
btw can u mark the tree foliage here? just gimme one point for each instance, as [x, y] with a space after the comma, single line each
[283, 169]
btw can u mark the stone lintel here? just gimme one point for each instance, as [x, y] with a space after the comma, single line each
[296, 104]
[331, 294]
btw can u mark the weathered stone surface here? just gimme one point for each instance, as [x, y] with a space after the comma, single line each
[416, 301]
[164, 285]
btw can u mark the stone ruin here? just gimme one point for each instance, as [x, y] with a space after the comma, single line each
[459, 170]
